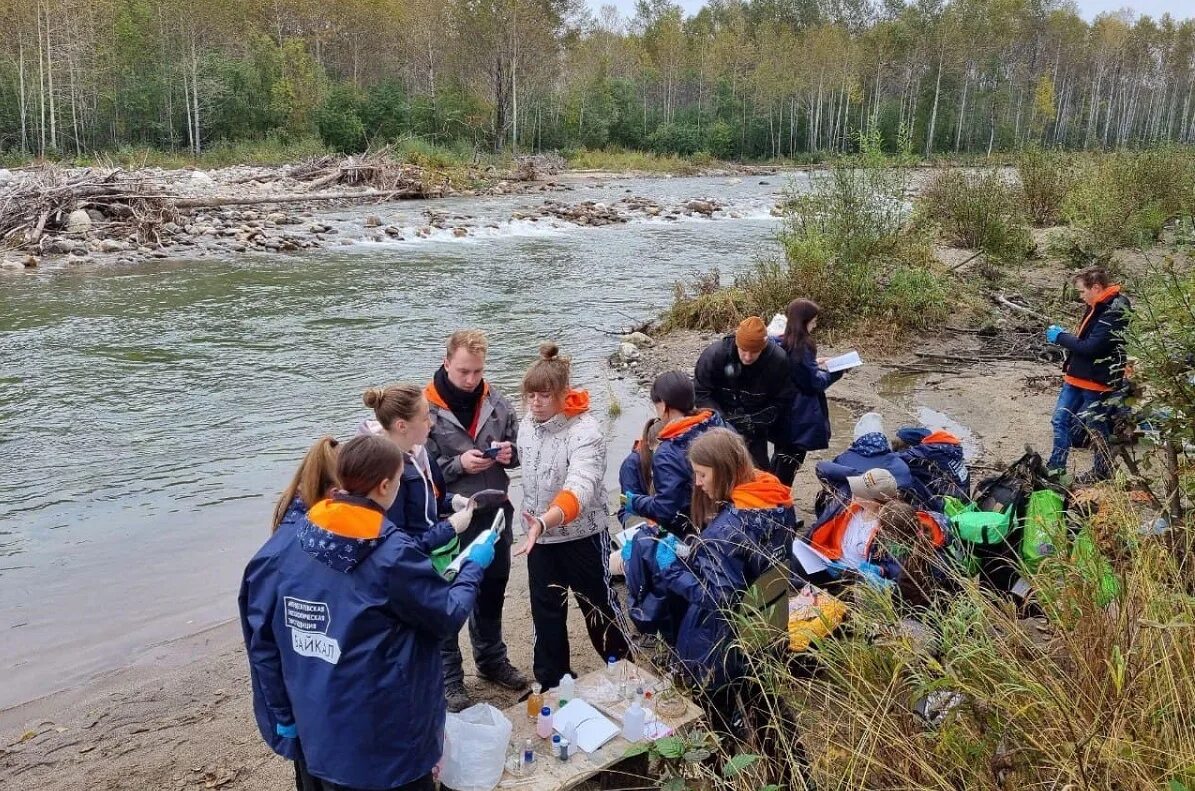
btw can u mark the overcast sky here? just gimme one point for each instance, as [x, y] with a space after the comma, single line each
[1179, 9]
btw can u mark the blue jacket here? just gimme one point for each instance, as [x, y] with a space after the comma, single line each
[807, 425]
[671, 474]
[937, 464]
[421, 499]
[1095, 351]
[867, 453]
[749, 536]
[630, 479]
[343, 617]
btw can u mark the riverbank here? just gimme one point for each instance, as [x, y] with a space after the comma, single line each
[180, 716]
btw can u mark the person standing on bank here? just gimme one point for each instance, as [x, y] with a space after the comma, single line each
[807, 425]
[745, 378]
[1092, 373]
[469, 419]
[563, 453]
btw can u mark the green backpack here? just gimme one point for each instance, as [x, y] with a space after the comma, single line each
[1045, 523]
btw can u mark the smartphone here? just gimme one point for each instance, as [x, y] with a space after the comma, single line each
[492, 453]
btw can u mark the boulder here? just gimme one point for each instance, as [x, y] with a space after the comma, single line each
[372, 221]
[638, 339]
[459, 232]
[628, 352]
[96, 215]
[78, 222]
[700, 207]
[11, 266]
[112, 246]
[201, 179]
[30, 262]
[6, 176]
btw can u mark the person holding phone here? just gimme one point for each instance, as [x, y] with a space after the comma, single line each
[472, 440]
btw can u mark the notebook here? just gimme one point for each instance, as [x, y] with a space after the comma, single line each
[843, 361]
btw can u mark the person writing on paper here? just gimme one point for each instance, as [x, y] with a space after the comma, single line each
[401, 415]
[674, 398]
[563, 453]
[474, 428]
[844, 538]
[343, 618]
[806, 427]
[747, 521]
[745, 379]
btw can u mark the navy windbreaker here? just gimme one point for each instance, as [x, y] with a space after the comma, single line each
[868, 452]
[807, 424]
[343, 619]
[937, 464]
[671, 474]
[630, 479]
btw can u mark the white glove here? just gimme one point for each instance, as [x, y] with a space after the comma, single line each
[683, 549]
[461, 519]
[459, 502]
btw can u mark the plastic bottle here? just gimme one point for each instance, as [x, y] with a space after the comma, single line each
[528, 757]
[569, 736]
[556, 746]
[612, 670]
[543, 726]
[562, 750]
[535, 701]
[565, 690]
[632, 722]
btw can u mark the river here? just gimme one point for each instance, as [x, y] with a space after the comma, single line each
[151, 413]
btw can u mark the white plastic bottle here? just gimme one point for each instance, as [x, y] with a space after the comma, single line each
[565, 690]
[632, 722]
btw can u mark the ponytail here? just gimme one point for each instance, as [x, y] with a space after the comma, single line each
[311, 482]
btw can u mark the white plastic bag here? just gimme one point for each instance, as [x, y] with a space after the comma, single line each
[475, 744]
[778, 325]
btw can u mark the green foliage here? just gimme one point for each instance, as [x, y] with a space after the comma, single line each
[1162, 339]
[385, 112]
[683, 139]
[979, 210]
[1046, 177]
[339, 122]
[706, 305]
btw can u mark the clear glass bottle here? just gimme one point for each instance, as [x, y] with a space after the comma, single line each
[535, 701]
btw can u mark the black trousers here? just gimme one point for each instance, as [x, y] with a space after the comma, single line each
[584, 567]
[305, 781]
[786, 461]
[485, 624]
[757, 446]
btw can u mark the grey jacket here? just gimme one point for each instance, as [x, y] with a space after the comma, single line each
[498, 422]
[566, 453]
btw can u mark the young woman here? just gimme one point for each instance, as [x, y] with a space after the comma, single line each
[563, 456]
[808, 425]
[343, 619]
[315, 480]
[401, 414]
[681, 424]
[634, 476]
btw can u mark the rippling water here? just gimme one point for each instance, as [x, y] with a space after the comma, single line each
[151, 413]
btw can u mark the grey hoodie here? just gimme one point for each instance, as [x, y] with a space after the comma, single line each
[497, 422]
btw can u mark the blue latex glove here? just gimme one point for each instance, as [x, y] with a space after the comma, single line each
[1052, 333]
[835, 568]
[625, 551]
[286, 731]
[628, 503]
[482, 553]
[666, 552]
[873, 575]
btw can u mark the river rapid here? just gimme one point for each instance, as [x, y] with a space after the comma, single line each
[151, 413]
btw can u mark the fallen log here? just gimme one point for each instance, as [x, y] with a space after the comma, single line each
[1008, 303]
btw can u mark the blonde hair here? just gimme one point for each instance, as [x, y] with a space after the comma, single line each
[724, 452]
[473, 341]
[393, 402]
[549, 374]
[311, 482]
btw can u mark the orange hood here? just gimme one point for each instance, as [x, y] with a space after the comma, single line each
[347, 519]
[940, 437]
[679, 427]
[576, 402]
[435, 399]
[766, 491]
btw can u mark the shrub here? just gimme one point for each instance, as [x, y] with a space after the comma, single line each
[339, 122]
[1046, 177]
[978, 210]
[705, 305]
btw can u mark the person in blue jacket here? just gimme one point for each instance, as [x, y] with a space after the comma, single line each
[674, 398]
[869, 450]
[634, 475]
[401, 414]
[807, 425]
[936, 461]
[343, 617]
[747, 523]
[315, 480]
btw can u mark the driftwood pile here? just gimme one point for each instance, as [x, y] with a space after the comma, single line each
[377, 170]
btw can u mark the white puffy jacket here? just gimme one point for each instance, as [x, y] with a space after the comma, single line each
[566, 454]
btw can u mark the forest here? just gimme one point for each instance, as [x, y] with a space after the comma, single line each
[759, 79]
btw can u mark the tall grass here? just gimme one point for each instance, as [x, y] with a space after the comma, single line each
[621, 161]
[980, 210]
[1046, 177]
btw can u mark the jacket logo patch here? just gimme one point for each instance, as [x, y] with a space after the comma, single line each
[309, 622]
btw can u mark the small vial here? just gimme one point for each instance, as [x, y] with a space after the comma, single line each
[528, 757]
[535, 701]
[543, 726]
[562, 750]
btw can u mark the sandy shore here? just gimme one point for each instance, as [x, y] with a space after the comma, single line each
[181, 716]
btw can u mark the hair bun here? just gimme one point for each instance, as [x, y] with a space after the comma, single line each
[549, 351]
[373, 397]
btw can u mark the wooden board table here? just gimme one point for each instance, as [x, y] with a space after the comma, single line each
[551, 774]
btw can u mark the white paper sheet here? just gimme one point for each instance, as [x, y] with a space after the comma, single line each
[843, 361]
[810, 559]
[593, 728]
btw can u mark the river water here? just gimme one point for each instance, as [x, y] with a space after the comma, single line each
[150, 414]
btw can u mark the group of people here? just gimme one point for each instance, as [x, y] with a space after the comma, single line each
[352, 608]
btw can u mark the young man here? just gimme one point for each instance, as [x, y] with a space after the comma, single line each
[1093, 372]
[469, 417]
[745, 379]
